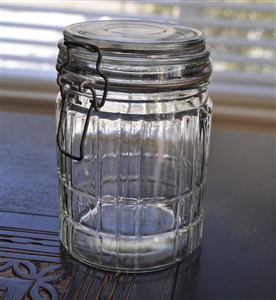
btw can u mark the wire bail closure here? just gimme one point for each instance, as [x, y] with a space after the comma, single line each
[83, 86]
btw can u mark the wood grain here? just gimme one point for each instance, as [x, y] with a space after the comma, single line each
[237, 260]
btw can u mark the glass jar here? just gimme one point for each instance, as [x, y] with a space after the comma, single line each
[133, 132]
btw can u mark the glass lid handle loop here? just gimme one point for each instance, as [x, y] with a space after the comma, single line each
[83, 86]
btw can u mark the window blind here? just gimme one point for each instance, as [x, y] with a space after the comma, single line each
[241, 34]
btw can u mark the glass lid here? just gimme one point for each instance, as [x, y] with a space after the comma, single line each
[135, 35]
[134, 53]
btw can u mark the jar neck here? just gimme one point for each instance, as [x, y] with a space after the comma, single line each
[172, 102]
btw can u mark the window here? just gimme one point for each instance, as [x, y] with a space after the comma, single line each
[241, 34]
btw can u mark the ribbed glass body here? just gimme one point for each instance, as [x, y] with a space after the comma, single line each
[135, 201]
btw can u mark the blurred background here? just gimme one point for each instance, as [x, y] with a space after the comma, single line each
[241, 34]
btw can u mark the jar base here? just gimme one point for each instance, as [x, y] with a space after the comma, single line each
[129, 254]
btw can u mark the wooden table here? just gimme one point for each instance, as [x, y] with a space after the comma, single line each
[237, 258]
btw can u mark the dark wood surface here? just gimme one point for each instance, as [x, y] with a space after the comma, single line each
[237, 258]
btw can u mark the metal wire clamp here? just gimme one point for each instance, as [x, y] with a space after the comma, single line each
[83, 86]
